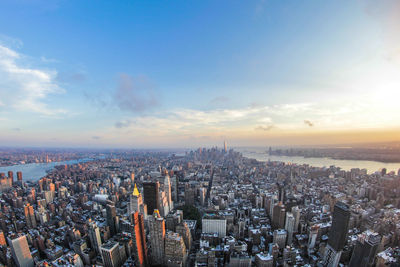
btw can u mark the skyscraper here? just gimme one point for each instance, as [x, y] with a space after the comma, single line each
[365, 249]
[289, 227]
[139, 240]
[225, 147]
[29, 216]
[19, 176]
[278, 216]
[296, 214]
[135, 201]
[151, 196]
[184, 231]
[167, 190]
[110, 254]
[337, 234]
[94, 236]
[20, 251]
[157, 238]
[111, 217]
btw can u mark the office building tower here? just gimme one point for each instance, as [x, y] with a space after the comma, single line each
[139, 240]
[278, 217]
[110, 254]
[94, 236]
[189, 195]
[174, 188]
[225, 147]
[157, 238]
[164, 207]
[175, 250]
[167, 190]
[296, 213]
[312, 238]
[2, 239]
[29, 216]
[20, 251]
[19, 176]
[337, 234]
[11, 177]
[184, 231]
[111, 218]
[214, 225]
[365, 249]
[151, 196]
[135, 201]
[279, 238]
[289, 227]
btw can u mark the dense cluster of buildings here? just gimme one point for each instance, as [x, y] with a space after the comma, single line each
[209, 207]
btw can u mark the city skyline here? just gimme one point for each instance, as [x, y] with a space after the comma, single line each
[146, 75]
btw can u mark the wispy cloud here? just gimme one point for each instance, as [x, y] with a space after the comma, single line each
[26, 88]
[122, 124]
[135, 94]
[265, 128]
[309, 123]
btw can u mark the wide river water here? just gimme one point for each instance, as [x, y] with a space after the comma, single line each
[35, 171]
[372, 166]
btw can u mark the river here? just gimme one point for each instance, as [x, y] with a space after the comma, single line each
[35, 171]
[371, 166]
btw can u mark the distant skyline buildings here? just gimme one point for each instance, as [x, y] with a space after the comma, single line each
[253, 78]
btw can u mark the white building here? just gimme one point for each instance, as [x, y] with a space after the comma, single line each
[214, 226]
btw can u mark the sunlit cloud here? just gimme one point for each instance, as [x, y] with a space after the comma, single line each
[26, 88]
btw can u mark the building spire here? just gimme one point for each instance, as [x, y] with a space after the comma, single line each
[135, 191]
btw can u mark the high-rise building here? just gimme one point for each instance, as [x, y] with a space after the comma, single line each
[20, 251]
[157, 238]
[365, 249]
[279, 238]
[139, 240]
[296, 213]
[278, 217]
[151, 196]
[175, 250]
[312, 238]
[167, 190]
[337, 234]
[110, 254]
[11, 177]
[135, 201]
[30, 216]
[184, 231]
[189, 195]
[19, 176]
[289, 227]
[225, 147]
[2, 239]
[94, 236]
[111, 218]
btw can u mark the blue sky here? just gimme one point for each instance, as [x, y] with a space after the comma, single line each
[188, 73]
